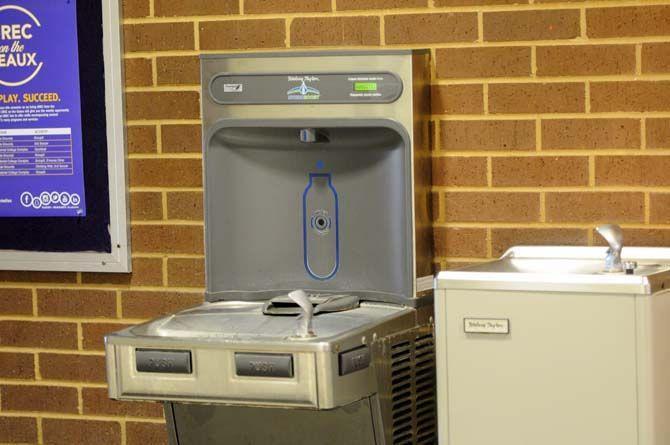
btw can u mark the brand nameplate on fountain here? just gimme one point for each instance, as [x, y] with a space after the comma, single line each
[486, 326]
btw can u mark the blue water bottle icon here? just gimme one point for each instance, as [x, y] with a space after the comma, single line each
[321, 235]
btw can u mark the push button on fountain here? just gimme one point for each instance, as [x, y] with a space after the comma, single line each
[264, 365]
[354, 360]
[163, 361]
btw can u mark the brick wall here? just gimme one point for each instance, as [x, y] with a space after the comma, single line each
[550, 116]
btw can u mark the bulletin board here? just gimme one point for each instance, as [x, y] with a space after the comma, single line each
[63, 204]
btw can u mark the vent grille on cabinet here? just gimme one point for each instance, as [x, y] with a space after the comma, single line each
[413, 391]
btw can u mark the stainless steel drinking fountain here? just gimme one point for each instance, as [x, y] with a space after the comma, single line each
[318, 323]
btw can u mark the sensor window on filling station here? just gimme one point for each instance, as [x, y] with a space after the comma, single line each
[365, 86]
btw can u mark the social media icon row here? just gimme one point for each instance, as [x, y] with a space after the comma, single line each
[45, 199]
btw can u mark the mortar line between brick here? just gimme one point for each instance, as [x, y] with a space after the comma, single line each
[123, 431]
[538, 134]
[582, 23]
[242, 7]
[589, 237]
[489, 171]
[152, 9]
[36, 366]
[529, 80]
[80, 401]
[64, 416]
[638, 59]
[532, 225]
[548, 189]
[287, 32]
[166, 278]
[34, 295]
[80, 337]
[587, 96]
[119, 305]
[40, 431]
[557, 153]
[592, 171]
[480, 26]
[533, 61]
[643, 133]
[543, 207]
[400, 11]
[647, 207]
[333, 5]
[159, 140]
[485, 92]
[196, 35]
[78, 277]
[52, 351]
[489, 242]
[164, 205]
[154, 72]
[382, 32]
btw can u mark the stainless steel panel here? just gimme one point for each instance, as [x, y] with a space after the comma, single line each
[225, 425]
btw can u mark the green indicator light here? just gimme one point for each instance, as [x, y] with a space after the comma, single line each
[365, 86]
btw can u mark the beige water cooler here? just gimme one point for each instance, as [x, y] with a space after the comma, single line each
[543, 347]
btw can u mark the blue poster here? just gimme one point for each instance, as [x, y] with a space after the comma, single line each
[41, 165]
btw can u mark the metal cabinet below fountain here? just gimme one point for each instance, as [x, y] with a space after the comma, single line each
[318, 321]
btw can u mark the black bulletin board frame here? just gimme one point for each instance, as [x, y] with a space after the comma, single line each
[100, 240]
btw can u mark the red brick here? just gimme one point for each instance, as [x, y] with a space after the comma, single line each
[460, 242]
[537, 98]
[581, 60]
[186, 272]
[167, 8]
[491, 207]
[457, 99]
[146, 206]
[168, 239]
[11, 276]
[590, 134]
[17, 366]
[97, 402]
[658, 133]
[43, 334]
[659, 205]
[487, 135]
[656, 57]
[144, 304]
[144, 433]
[93, 334]
[483, 62]
[430, 28]
[243, 34]
[503, 239]
[165, 172]
[18, 430]
[73, 367]
[158, 37]
[441, 3]
[138, 72]
[185, 206]
[335, 31]
[39, 398]
[162, 105]
[544, 171]
[80, 432]
[284, 6]
[644, 237]
[595, 207]
[632, 170]
[181, 138]
[630, 96]
[135, 8]
[76, 303]
[459, 171]
[531, 25]
[16, 301]
[141, 139]
[178, 70]
[634, 21]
